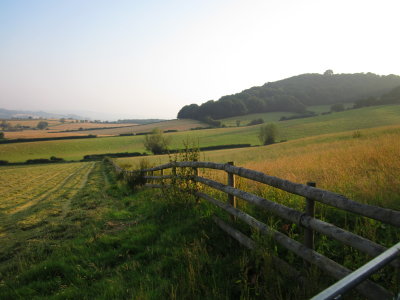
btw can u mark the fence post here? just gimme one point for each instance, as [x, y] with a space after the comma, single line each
[310, 211]
[231, 182]
[195, 174]
[162, 174]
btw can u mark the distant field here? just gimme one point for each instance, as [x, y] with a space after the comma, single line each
[77, 126]
[54, 127]
[33, 122]
[288, 130]
[26, 134]
[180, 125]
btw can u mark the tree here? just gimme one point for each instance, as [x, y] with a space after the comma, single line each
[156, 142]
[268, 133]
[238, 123]
[42, 125]
[1, 135]
[337, 107]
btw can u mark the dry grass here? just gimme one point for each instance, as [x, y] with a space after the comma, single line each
[364, 168]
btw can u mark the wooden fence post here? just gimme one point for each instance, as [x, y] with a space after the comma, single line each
[231, 182]
[310, 211]
[195, 174]
[162, 174]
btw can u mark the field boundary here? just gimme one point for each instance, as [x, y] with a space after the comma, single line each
[305, 218]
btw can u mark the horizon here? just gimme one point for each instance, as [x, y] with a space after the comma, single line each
[147, 60]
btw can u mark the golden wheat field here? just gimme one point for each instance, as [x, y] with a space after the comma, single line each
[363, 165]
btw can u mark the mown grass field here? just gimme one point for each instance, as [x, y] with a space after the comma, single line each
[288, 130]
[113, 245]
[34, 197]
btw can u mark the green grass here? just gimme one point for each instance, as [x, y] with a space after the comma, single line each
[288, 130]
[112, 245]
[274, 116]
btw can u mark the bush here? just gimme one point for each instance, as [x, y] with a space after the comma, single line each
[1, 135]
[268, 133]
[42, 125]
[337, 107]
[156, 142]
[256, 121]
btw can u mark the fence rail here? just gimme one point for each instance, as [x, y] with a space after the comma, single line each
[306, 219]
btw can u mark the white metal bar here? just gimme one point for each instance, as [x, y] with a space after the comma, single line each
[359, 275]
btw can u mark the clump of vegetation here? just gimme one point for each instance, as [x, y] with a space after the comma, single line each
[256, 122]
[357, 134]
[157, 142]
[268, 133]
[306, 114]
[337, 107]
[211, 121]
[1, 135]
[42, 125]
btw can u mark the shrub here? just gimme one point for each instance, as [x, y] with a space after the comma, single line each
[156, 142]
[42, 125]
[337, 107]
[256, 121]
[268, 133]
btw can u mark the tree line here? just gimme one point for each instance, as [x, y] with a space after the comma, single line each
[293, 94]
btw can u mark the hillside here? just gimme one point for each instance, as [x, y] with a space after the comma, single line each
[294, 94]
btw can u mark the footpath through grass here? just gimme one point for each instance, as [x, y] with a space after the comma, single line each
[115, 245]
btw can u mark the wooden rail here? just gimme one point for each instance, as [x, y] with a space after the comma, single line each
[305, 219]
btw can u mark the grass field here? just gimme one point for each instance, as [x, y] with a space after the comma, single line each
[34, 197]
[288, 130]
[274, 116]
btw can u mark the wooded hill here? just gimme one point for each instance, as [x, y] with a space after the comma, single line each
[294, 94]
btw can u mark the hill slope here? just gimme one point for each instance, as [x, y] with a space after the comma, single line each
[294, 94]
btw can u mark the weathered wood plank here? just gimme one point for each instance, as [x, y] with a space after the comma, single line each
[367, 288]
[300, 218]
[333, 199]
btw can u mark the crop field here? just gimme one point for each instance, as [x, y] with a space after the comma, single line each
[33, 122]
[180, 125]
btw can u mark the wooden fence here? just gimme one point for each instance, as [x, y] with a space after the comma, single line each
[306, 218]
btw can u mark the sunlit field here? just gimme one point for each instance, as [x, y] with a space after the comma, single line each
[361, 164]
[288, 130]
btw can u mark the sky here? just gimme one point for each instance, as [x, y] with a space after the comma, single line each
[147, 59]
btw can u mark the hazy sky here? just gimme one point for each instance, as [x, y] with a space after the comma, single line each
[149, 58]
